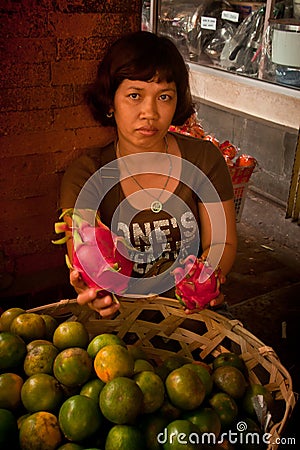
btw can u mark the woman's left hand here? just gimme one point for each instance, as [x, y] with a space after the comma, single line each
[215, 302]
[220, 299]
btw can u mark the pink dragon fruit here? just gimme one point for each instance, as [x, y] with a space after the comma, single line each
[197, 283]
[98, 254]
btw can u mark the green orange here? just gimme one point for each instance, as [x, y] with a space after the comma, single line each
[72, 367]
[231, 380]
[174, 362]
[101, 340]
[70, 334]
[21, 419]
[71, 446]
[92, 389]
[142, 364]
[35, 342]
[185, 389]
[8, 316]
[113, 361]
[41, 392]
[171, 363]
[40, 431]
[206, 419]
[180, 434]
[121, 400]
[121, 437]
[12, 351]
[10, 390]
[51, 325]
[79, 418]
[40, 359]
[230, 359]
[153, 390]
[29, 326]
[226, 408]
[204, 376]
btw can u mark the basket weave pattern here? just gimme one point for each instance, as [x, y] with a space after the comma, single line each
[161, 327]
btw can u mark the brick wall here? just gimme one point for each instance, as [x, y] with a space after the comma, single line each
[50, 50]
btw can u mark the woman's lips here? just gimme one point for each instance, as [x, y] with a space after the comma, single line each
[148, 131]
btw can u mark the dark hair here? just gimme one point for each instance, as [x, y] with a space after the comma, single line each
[140, 56]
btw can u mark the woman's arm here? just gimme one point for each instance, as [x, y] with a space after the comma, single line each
[219, 237]
[218, 233]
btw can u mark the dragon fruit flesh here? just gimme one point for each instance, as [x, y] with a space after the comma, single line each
[197, 283]
[99, 255]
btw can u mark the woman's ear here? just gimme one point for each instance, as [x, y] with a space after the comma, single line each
[110, 113]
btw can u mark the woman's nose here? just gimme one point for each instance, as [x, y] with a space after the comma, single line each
[149, 109]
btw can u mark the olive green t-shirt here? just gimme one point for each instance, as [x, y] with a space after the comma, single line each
[92, 181]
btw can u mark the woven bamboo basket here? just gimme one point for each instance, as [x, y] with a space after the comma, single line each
[161, 328]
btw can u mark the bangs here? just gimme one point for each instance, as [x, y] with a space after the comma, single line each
[145, 56]
[151, 73]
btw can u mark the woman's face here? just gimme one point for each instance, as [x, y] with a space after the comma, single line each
[143, 113]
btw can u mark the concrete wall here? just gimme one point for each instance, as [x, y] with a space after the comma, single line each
[273, 145]
[50, 51]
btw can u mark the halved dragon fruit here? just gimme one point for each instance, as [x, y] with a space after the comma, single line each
[99, 255]
[197, 283]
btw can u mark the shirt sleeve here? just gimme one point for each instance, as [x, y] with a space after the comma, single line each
[218, 173]
[207, 171]
[75, 177]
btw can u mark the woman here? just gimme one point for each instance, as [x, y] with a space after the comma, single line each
[173, 194]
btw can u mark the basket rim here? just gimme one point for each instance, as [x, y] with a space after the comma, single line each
[144, 300]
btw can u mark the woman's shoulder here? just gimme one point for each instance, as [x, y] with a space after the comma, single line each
[92, 159]
[80, 171]
[193, 148]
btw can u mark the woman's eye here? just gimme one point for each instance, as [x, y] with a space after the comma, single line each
[165, 97]
[134, 95]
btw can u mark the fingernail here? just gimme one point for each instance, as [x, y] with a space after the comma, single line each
[108, 301]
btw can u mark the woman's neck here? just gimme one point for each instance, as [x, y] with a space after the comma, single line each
[124, 147]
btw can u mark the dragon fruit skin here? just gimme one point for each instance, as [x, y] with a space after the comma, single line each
[197, 283]
[99, 255]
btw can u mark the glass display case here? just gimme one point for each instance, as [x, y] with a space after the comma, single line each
[256, 39]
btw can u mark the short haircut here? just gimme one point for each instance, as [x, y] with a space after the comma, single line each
[140, 56]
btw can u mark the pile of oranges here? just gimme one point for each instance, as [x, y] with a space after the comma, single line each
[62, 390]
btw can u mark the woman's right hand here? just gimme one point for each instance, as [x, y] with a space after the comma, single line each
[104, 305]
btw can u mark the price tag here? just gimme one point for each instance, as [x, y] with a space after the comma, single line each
[230, 15]
[208, 23]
